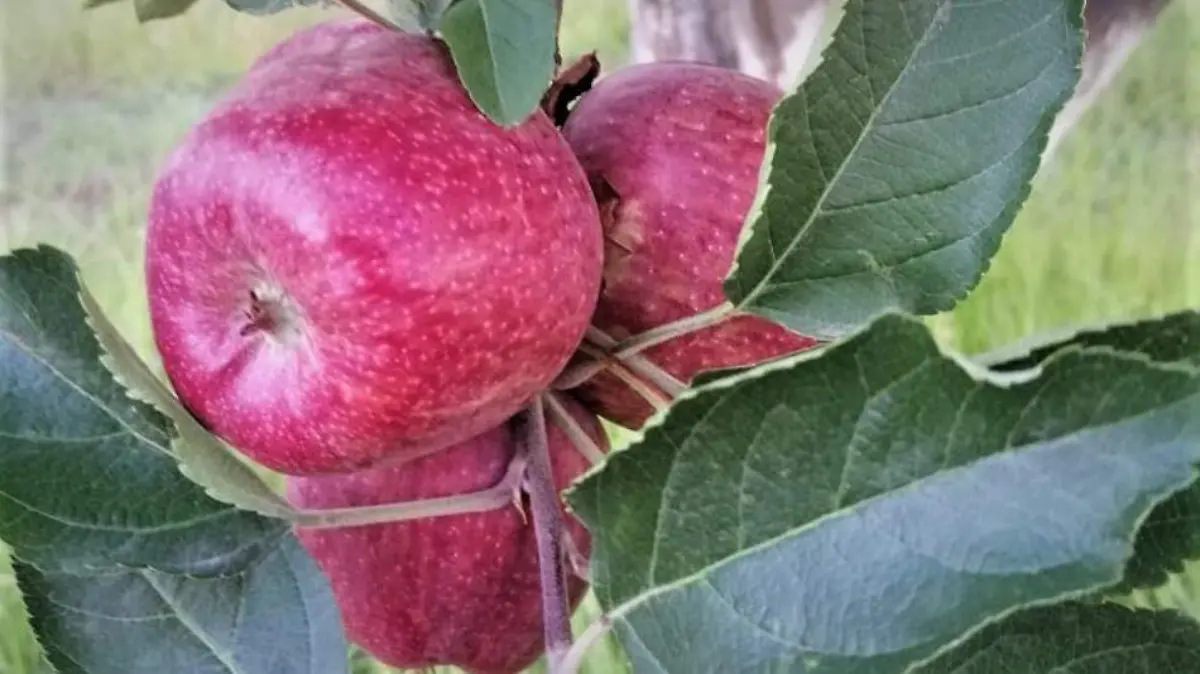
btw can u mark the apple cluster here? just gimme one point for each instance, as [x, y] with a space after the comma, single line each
[358, 280]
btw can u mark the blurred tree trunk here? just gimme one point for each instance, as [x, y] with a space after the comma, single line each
[1114, 29]
[770, 39]
[776, 39]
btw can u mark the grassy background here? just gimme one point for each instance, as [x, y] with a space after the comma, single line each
[92, 102]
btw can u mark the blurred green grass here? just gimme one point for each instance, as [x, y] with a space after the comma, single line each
[93, 101]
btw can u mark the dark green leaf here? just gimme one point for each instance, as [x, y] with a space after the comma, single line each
[265, 7]
[1078, 639]
[860, 508]
[504, 52]
[277, 616]
[148, 10]
[896, 168]
[1173, 338]
[1170, 536]
[1168, 539]
[87, 480]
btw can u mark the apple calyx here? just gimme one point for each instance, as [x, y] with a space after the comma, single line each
[271, 312]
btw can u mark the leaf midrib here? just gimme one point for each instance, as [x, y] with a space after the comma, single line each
[188, 622]
[156, 529]
[759, 287]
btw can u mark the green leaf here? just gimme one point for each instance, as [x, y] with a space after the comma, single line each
[202, 456]
[266, 7]
[1173, 338]
[898, 165]
[1170, 537]
[275, 616]
[148, 10]
[1167, 541]
[504, 52]
[859, 508]
[1078, 639]
[87, 480]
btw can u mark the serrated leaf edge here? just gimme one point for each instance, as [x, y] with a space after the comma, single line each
[1064, 598]
[163, 400]
[1063, 337]
[633, 602]
[949, 302]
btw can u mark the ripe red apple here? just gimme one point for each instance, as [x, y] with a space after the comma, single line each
[347, 262]
[459, 590]
[673, 152]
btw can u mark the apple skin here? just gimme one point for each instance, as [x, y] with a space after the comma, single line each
[459, 590]
[347, 263]
[673, 151]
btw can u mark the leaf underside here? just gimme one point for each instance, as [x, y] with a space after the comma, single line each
[1170, 536]
[860, 510]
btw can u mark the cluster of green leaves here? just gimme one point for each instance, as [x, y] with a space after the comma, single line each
[879, 504]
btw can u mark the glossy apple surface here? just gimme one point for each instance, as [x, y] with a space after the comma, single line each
[459, 590]
[348, 263]
[673, 152]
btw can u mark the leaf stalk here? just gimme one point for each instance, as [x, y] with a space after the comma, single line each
[573, 659]
[493, 498]
[669, 331]
[639, 365]
[568, 425]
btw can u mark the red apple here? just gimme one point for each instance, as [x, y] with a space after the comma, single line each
[348, 263]
[673, 151]
[459, 590]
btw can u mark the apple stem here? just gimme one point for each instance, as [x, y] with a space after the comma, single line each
[548, 527]
[576, 375]
[493, 498]
[599, 344]
[567, 423]
[640, 342]
[657, 376]
[367, 13]
[637, 364]
[618, 370]
[573, 660]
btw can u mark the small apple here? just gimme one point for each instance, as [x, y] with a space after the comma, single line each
[348, 263]
[673, 151]
[461, 590]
